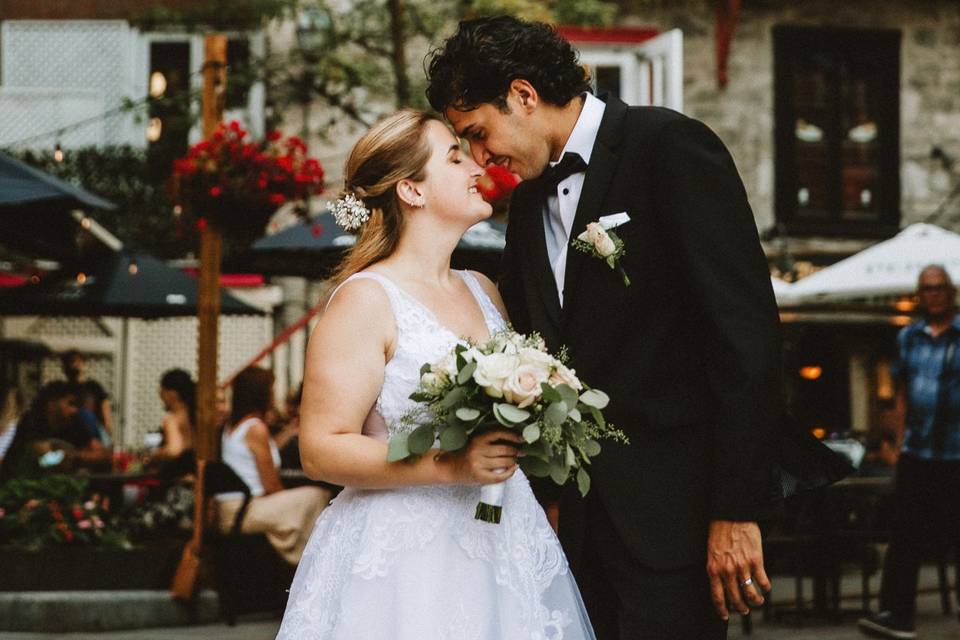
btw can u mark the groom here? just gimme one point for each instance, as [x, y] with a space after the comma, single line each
[666, 544]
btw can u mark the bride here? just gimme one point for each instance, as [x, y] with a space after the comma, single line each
[398, 555]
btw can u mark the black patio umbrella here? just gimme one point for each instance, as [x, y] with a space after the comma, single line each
[36, 211]
[123, 284]
[311, 249]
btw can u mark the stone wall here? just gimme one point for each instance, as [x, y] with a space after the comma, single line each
[742, 113]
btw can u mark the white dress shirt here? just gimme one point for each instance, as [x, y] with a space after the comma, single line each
[561, 206]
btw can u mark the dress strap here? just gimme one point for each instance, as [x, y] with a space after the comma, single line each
[392, 291]
[491, 314]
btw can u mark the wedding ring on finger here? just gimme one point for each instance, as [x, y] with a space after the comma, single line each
[746, 583]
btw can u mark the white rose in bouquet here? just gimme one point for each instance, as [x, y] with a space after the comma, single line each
[564, 375]
[493, 370]
[537, 358]
[523, 387]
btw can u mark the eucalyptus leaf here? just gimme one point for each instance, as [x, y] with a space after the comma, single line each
[583, 481]
[595, 398]
[571, 456]
[420, 439]
[467, 414]
[556, 414]
[397, 448]
[418, 396]
[425, 369]
[538, 449]
[568, 394]
[598, 417]
[559, 472]
[453, 397]
[535, 467]
[453, 438]
[575, 416]
[466, 372]
[549, 393]
[510, 413]
[592, 448]
[531, 432]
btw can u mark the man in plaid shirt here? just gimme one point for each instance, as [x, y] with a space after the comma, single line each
[927, 517]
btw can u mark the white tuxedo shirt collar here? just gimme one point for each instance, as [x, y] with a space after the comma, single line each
[585, 132]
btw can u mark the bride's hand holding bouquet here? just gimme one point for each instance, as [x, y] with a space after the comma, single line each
[529, 397]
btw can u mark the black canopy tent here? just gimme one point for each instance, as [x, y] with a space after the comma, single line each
[311, 249]
[122, 284]
[38, 214]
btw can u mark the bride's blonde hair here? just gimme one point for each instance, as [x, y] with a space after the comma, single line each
[395, 149]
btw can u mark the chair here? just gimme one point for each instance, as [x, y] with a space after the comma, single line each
[248, 573]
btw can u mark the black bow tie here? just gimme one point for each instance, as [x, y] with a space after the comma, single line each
[569, 164]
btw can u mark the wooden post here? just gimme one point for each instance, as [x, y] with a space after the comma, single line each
[208, 303]
[184, 582]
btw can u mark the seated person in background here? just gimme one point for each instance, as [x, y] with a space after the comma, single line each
[93, 402]
[11, 402]
[288, 437]
[883, 451]
[51, 426]
[178, 392]
[286, 516]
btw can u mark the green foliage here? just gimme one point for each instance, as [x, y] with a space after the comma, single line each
[587, 13]
[53, 510]
[226, 15]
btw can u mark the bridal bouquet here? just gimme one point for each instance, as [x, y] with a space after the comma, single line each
[514, 383]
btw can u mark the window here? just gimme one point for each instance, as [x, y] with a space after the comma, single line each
[169, 90]
[837, 118]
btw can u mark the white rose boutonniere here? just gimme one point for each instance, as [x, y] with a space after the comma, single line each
[604, 244]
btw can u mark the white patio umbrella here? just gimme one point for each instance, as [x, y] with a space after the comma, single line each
[782, 290]
[889, 268]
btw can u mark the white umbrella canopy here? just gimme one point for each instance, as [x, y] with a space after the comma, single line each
[782, 290]
[889, 268]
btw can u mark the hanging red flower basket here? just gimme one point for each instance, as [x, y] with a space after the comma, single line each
[238, 184]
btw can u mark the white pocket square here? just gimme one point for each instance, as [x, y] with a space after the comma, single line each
[614, 220]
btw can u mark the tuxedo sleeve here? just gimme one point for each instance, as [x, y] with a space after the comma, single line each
[702, 198]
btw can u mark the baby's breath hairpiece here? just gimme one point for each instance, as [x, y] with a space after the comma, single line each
[349, 212]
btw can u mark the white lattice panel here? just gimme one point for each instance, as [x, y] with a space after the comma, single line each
[89, 56]
[159, 345]
[67, 327]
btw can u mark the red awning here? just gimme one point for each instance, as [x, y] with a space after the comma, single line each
[601, 35]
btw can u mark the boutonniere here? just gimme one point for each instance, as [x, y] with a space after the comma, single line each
[604, 244]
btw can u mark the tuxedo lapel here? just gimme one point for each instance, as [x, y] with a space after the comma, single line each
[540, 281]
[603, 163]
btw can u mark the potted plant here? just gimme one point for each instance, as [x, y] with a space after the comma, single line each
[55, 535]
[237, 183]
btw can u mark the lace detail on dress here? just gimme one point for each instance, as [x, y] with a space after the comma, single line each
[421, 338]
[412, 563]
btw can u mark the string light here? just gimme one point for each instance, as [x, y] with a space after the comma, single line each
[86, 223]
[133, 268]
[58, 153]
[81, 278]
[812, 372]
[154, 129]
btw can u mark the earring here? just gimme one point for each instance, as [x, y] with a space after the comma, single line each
[421, 204]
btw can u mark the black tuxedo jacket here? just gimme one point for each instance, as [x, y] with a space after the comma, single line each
[690, 353]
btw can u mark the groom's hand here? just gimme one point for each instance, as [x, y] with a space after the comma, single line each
[735, 566]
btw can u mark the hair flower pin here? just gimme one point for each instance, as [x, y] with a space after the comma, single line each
[349, 212]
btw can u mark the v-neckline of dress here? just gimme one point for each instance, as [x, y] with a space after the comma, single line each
[435, 318]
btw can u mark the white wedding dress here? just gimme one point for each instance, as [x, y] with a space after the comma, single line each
[413, 563]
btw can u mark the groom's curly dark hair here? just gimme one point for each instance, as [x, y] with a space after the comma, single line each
[477, 64]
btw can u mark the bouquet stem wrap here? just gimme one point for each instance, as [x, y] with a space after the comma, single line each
[490, 507]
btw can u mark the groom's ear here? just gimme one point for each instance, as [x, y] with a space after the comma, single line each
[524, 94]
